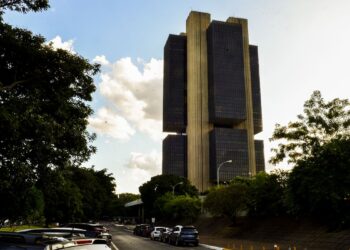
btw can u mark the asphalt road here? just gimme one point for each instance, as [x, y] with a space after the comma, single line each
[125, 240]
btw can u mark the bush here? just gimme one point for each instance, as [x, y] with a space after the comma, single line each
[227, 201]
[181, 207]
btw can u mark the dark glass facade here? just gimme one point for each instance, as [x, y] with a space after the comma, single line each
[228, 144]
[255, 78]
[227, 102]
[174, 90]
[175, 155]
[259, 156]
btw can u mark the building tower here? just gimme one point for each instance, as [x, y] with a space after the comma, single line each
[211, 101]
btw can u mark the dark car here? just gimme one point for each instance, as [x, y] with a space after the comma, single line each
[93, 230]
[146, 232]
[93, 227]
[141, 229]
[164, 235]
[182, 235]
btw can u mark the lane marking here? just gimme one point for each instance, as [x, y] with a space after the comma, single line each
[114, 246]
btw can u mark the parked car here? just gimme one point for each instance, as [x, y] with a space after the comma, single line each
[93, 230]
[164, 235]
[139, 229]
[43, 241]
[65, 232]
[184, 235]
[146, 231]
[155, 233]
[94, 227]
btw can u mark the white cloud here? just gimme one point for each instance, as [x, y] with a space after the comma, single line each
[108, 123]
[151, 163]
[57, 43]
[135, 91]
[101, 60]
[129, 181]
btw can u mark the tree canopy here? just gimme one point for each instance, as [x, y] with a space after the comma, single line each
[321, 122]
[228, 200]
[24, 5]
[319, 186]
[44, 116]
[266, 194]
[162, 184]
[44, 95]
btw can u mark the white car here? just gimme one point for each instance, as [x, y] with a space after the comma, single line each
[155, 234]
[49, 241]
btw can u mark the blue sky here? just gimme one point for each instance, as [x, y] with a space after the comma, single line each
[303, 46]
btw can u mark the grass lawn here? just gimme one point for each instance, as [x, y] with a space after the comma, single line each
[17, 228]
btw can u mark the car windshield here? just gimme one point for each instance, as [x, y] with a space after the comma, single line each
[189, 231]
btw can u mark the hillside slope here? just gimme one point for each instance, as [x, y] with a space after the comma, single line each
[284, 232]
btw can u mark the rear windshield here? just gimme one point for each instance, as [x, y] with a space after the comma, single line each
[189, 230]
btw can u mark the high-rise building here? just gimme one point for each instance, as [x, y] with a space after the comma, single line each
[211, 102]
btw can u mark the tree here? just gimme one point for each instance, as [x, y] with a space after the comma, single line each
[227, 201]
[182, 207]
[161, 184]
[119, 201]
[23, 5]
[97, 199]
[16, 183]
[43, 119]
[319, 186]
[62, 197]
[321, 122]
[266, 194]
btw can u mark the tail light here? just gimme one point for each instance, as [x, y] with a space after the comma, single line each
[83, 242]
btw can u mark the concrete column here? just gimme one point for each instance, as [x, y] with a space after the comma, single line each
[197, 100]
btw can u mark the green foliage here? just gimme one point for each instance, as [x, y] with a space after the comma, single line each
[15, 183]
[160, 185]
[160, 203]
[44, 95]
[24, 5]
[37, 113]
[34, 207]
[43, 113]
[266, 195]
[97, 200]
[118, 202]
[227, 201]
[319, 186]
[321, 122]
[63, 199]
[182, 207]
[77, 194]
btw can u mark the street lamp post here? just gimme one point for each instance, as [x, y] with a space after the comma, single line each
[180, 183]
[218, 171]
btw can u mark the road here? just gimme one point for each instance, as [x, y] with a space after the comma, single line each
[125, 240]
